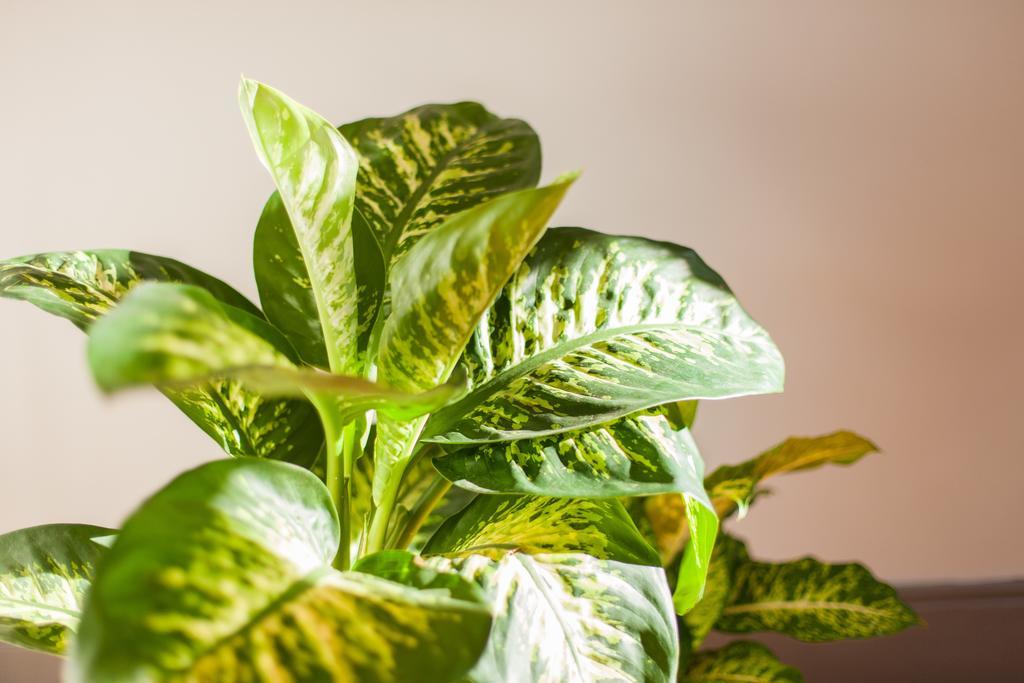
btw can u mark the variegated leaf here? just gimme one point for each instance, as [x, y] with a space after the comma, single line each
[813, 602]
[81, 286]
[408, 569]
[224, 575]
[45, 572]
[176, 335]
[496, 525]
[439, 290]
[419, 168]
[594, 327]
[637, 455]
[573, 619]
[740, 661]
[733, 487]
[314, 169]
[729, 554]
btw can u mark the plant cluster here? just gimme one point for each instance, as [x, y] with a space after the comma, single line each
[461, 440]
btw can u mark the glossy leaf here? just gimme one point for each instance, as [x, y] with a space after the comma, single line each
[740, 661]
[314, 169]
[638, 455]
[702, 523]
[440, 288]
[573, 619]
[496, 525]
[178, 335]
[252, 540]
[728, 555]
[733, 487]
[420, 168]
[813, 602]
[594, 327]
[411, 570]
[82, 286]
[45, 572]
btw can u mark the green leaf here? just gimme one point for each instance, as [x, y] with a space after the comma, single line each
[702, 523]
[733, 487]
[594, 327]
[496, 525]
[573, 619]
[440, 288]
[407, 569]
[813, 602]
[45, 572]
[729, 553]
[314, 169]
[81, 286]
[420, 168]
[177, 335]
[740, 661]
[224, 575]
[638, 455]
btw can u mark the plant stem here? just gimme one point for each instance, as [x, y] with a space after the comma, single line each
[382, 513]
[428, 500]
[341, 442]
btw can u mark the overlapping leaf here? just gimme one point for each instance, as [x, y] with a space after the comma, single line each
[82, 286]
[45, 573]
[813, 602]
[594, 327]
[729, 554]
[740, 661]
[733, 487]
[254, 539]
[314, 169]
[702, 523]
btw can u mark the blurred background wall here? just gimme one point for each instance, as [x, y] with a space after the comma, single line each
[853, 169]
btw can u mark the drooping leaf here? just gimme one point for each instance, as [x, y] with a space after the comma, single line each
[638, 455]
[439, 290]
[84, 285]
[177, 335]
[419, 168]
[813, 602]
[496, 525]
[224, 575]
[729, 554]
[594, 327]
[740, 661]
[733, 487]
[573, 619]
[702, 523]
[314, 169]
[45, 572]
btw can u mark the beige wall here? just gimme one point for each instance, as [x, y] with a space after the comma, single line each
[854, 170]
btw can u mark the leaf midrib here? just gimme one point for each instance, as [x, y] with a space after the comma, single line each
[803, 605]
[77, 614]
[549, 600]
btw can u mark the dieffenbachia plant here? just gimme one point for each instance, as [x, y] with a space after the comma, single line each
[421, 327]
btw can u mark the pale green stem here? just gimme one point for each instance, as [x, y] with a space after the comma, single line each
[341, 442]
[422, 509]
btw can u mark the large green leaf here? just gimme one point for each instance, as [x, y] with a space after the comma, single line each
[741, 661]
[594, 327]
[224, 575]
[81, 286]
[45, 572]
[638, 455]
[729, 554]
[314, 169]
[813, 602]
[419, 168]
[439, 290]
[496, 525]
[174, 334]
[573, 618]
[733, 487]
[702, 523]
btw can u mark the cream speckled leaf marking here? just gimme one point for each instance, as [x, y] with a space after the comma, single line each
[637, 455]
[733, 487]
[495, 525]
[439, 290]
[170, 334]
[729, 554]
[594, 327]
[813, 602]
[45, 572]
[740, 662]
[571, 618]
[81, 286]
[314, 169]
[419, 168]
[254, 539]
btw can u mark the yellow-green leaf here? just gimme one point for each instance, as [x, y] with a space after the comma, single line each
[742, 661]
